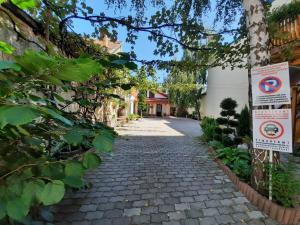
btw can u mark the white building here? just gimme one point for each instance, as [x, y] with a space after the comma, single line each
[224, 84]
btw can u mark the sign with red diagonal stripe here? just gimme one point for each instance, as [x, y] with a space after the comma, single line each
[272, 130]
[271, 85]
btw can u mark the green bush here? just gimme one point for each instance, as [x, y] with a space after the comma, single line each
[208, 126]
[243, 169]
[216, 144]
[243, 127]
[133, 117]
[285, 185]
[227, 122]
[237, 160]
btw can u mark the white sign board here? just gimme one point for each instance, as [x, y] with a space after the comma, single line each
[271, 85]
[272, 130]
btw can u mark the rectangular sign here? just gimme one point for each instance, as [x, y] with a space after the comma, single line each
[272, 130]
[271, 85]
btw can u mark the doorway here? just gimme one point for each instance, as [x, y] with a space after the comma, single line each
[158, 110]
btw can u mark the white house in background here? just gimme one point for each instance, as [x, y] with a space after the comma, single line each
[222, 84]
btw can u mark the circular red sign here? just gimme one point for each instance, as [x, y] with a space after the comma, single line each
[271, 129]
[270, 85]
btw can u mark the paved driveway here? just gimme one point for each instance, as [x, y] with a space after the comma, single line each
[159, 174]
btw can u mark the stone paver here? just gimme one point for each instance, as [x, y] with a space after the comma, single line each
[158, 174]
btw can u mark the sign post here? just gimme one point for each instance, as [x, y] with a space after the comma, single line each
[272, 128]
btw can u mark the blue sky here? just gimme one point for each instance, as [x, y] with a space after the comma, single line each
[143, 47]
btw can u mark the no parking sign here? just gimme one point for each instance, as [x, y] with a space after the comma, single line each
[272, 130]
[271, 85]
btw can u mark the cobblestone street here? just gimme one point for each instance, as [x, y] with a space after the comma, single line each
[159, 174]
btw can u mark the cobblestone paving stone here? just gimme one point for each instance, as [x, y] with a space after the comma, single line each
[160, 175]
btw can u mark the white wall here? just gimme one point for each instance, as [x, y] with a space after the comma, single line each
[278, 3]
[223, 84]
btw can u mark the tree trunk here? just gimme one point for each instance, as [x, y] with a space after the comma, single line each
[259, 56]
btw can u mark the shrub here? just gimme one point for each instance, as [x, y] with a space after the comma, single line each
[242, 168]
[227, 122]
[243, 127]
[229, 155]
[285, 185]
[133, 117]
[237, 160]
[208, 126]
[216, 144]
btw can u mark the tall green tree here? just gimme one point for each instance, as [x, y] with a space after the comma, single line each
[186, 87]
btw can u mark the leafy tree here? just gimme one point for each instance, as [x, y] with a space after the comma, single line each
[227, 122]
[186, 87]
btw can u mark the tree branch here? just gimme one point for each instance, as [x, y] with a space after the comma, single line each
[153, 30]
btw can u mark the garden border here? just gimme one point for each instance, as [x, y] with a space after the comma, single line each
[285, 216]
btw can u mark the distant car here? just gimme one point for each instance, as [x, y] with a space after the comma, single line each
[271, 129]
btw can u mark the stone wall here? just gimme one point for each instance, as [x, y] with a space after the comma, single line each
[18, 34]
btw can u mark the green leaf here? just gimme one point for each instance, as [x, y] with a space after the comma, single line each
[75, 182]
[74, 169]
[59, 98]
[35, 63]
[54, 171]
[103, 142]
[4, 65]
[32, 191]
[55, 115]
[53, 192]
[126, 86]
[2, 210]
[79, 70]
[91, 160]
[24, 4]
[131, 65]
[16, 209]
[17, 115]
[23, 131]
[6, 48]
[73, 137]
